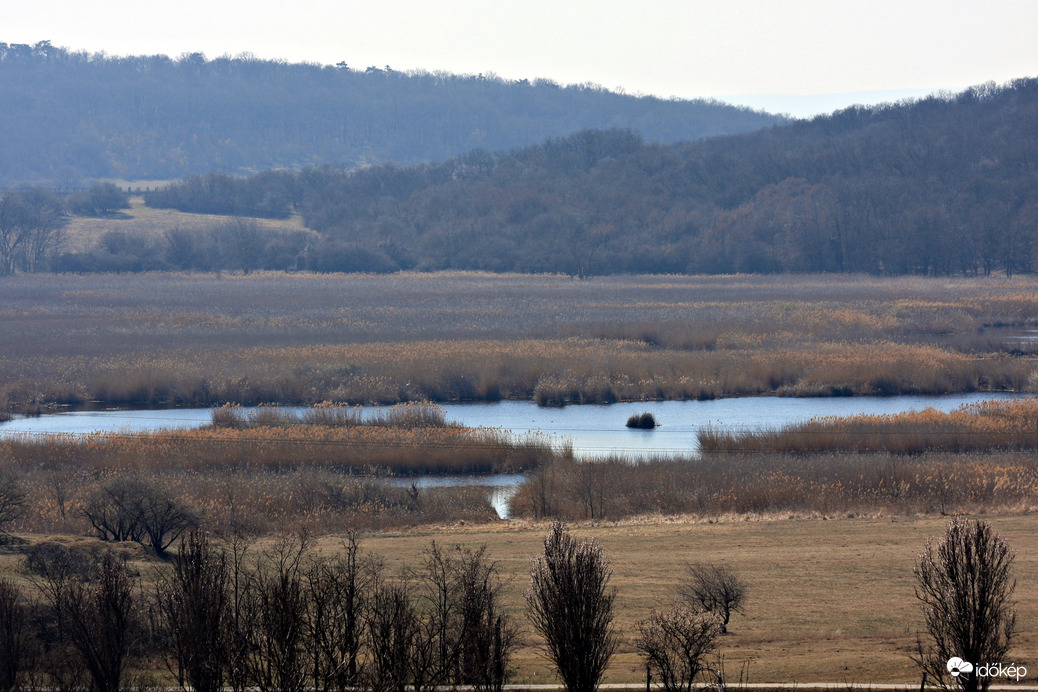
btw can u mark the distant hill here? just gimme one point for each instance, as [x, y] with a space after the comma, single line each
[69, 116]
[941, 186]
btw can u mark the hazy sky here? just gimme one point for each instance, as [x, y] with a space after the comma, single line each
[683, 48]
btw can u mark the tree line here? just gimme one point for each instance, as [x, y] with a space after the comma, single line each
[32, 221]
[945, 185]
[71, 116]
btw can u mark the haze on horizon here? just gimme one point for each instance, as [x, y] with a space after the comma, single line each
[796, 56]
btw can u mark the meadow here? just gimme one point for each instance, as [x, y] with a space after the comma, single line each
[155, 340]
[830, 601]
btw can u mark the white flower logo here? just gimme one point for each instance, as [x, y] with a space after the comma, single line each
[957, 666]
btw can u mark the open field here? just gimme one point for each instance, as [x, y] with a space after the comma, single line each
[82, 232]
[829, 601]
[201, 339]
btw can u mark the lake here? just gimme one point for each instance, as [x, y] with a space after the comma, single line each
[592, 430]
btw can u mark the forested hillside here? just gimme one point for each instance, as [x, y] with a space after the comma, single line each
[939, 186]
[69, 116]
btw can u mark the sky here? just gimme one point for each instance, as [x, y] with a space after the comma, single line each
[795, 56]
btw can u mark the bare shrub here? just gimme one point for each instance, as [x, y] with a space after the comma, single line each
[571, 605]
[965, 587]
[676, 643]
[714, 589]
[55, 562]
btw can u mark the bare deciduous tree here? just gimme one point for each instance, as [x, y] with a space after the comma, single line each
[338, 598]
[571, 605]
[276, 659]
[714, 589]
[675, 644]
[100, 621]
[473, 638]
[12, 498]
[488, 636]
[392, 626]
[15, 637]
[966, 589]
[132, 510]
[193, 600]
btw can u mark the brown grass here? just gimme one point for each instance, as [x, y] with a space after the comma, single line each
[982, 427]
[820, 484]
[830, 601]
[139, 220]
[270, 472]
[199, 340]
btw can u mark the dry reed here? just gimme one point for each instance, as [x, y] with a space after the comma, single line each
[200, 340]
[998, 425]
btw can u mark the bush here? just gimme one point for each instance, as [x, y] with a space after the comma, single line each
[644, 421]
[571, 606]
[675, 643]
[55, 561]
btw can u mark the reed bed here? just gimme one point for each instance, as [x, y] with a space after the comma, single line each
[199, 340]
[838, 484]
[328, 414]
[368, 449]
[991, 426]
[327, 467]
[322, 500]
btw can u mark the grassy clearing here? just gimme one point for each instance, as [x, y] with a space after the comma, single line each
[139, 220]
[178, 340]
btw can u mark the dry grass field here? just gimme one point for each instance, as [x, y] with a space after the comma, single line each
[139, 220]
[199, 339]
[830, 601]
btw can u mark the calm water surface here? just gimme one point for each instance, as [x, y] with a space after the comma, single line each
[593, 430]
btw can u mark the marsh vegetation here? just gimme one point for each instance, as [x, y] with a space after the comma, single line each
[202, 340]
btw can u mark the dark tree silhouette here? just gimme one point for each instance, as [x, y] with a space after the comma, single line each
[570, 605]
